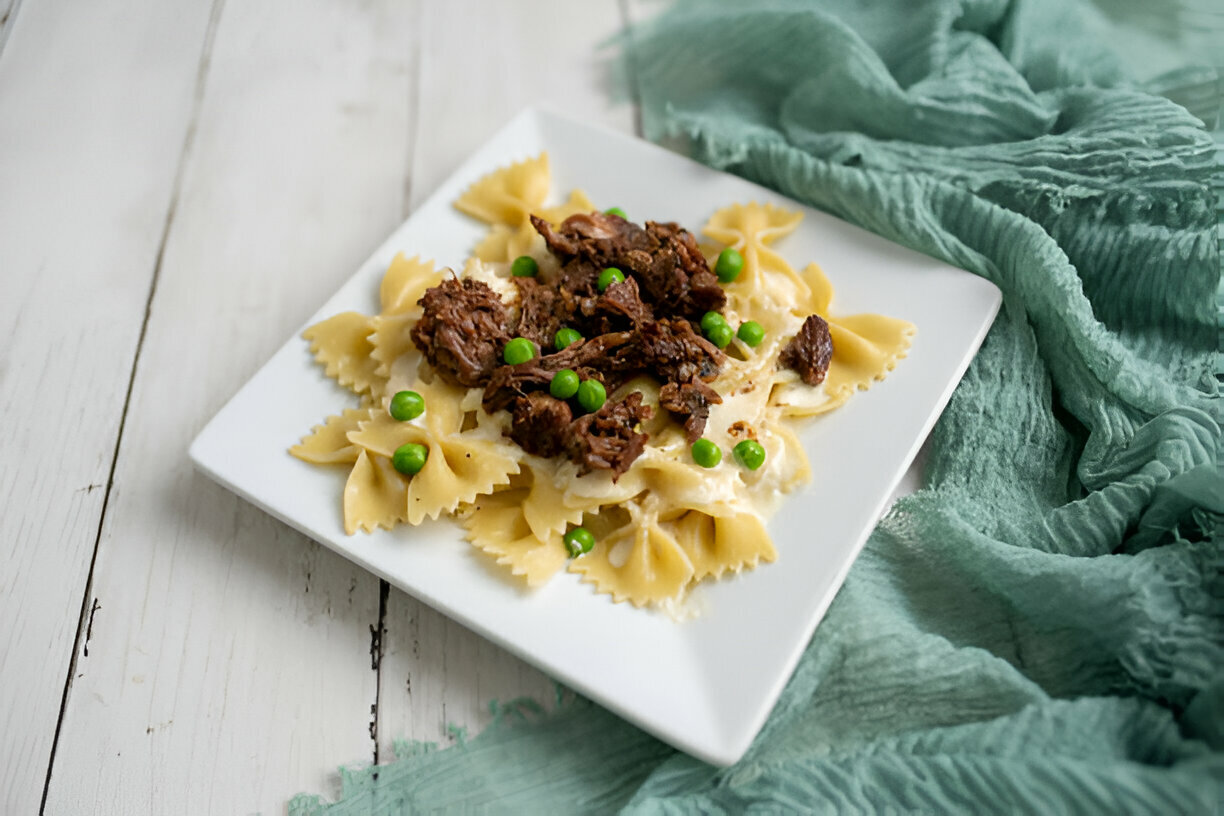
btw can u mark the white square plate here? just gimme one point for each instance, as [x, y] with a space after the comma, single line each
[703, 685]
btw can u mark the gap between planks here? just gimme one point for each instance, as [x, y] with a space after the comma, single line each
[88, 610]
[378, 631]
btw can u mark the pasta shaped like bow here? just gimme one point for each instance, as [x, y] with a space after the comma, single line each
[498, 525]
[717, 543]
[328, 444]
[460, 465]
[640, 562]
[749, 228]
[342, 346]
[865, 348]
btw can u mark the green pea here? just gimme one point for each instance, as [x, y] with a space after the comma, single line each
[518, 350]
[730, 263]
[706, 453]
[749, 454]
[578, 541]
[751, 332]
[711, 319]
[565, 338]
[720, 335]
[591, 395]
[617, 211]
[524, 266]
[564, 384]
[409, 459]
[406, 405]
[610, 276]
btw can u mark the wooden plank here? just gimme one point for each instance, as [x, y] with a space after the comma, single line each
[229, 662]
[8, 13]
[85, 184]
[480, 64]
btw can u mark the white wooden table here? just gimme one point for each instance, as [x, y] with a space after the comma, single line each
[181, 186]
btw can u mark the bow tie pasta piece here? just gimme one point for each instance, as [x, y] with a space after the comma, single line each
[509, 195]
[498, 525]
[504, 243]
[717, 543]
[821, 298]
[794, 468]
[577, 203]
[374, 495]
[459, 466]
[639, 562]
[865, 348]
[342, 346]
[766, 276]
[391, 340]
[404, 283]
[544, 507]
[505, 199]
[328, 444]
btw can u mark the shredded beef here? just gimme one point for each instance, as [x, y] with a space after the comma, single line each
[581, 277]
[809, 351]
[642, 325]
[598, 237]
[539, 423]
[596, 358]
[676, 353]
[608, 439]
[462, 330]
[542, 310]
[670, 269]
[690, 403]
[679, 277]
[619, 307]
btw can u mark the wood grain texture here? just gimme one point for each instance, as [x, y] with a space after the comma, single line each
[85, 183]
[229, 660]
[480, 64]
[8, 14]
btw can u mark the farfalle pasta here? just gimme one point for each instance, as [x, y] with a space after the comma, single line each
[640, 474]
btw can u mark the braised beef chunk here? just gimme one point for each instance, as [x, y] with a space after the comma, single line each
[810, 351]
[600, 358]
[462, 330]
[672, 273]
[607, 439]
[619, 307]
[690, 403]
[677, 353]
[581, 277]
[679, 277]
[542, 310]
[539, 423]
[598, 237]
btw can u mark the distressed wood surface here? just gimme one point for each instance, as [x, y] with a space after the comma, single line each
[8, 11]
[85, 187]
[229, 661]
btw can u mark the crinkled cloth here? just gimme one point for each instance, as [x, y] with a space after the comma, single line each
[1040, 629]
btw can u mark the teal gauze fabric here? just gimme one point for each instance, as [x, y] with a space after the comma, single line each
[1041, 628]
